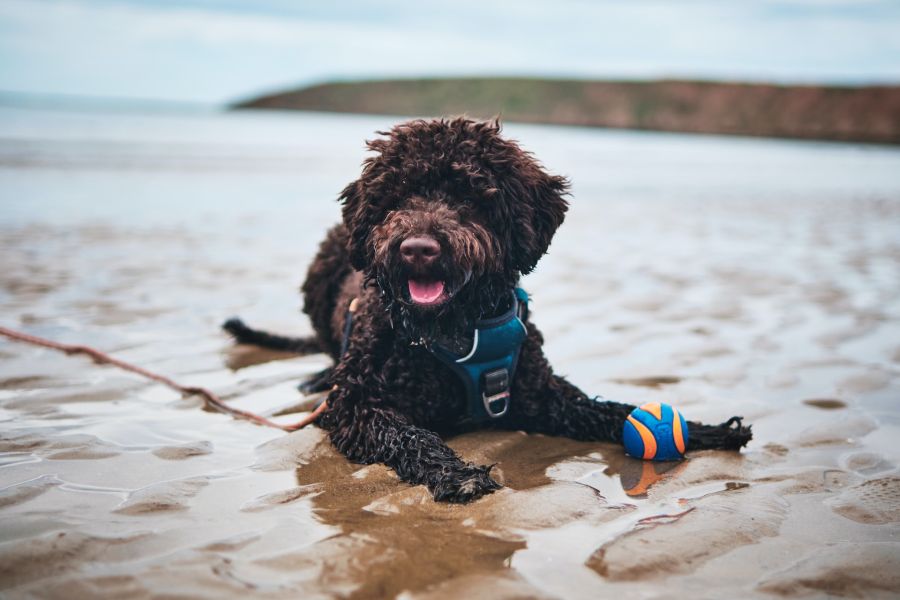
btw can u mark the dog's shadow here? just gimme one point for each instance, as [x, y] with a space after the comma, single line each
[395, 537]
[241, 356]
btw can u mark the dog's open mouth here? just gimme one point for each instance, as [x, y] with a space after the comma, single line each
[426, 292]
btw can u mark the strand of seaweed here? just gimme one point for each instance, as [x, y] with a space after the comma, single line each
[210, 399]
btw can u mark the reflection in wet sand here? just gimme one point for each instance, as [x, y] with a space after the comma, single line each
[384, 555]
[637, 476]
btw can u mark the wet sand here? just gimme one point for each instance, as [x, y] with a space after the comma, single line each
[724, 276]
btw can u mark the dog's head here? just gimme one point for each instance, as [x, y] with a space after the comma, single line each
[445, 217]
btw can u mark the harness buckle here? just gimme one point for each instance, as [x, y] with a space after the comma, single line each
[493, 406]
[496, 392]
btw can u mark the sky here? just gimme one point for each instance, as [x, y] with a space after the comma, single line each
[216, 51]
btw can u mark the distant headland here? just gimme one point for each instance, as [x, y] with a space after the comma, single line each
[857, 114]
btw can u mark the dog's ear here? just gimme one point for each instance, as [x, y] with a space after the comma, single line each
[358, 221]
[531, 204]
[537, 202]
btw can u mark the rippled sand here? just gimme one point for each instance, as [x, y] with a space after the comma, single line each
[725, 276]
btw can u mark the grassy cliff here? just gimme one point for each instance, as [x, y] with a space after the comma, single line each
[865, 114]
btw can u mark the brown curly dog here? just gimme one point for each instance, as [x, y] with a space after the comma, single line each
[445, 218]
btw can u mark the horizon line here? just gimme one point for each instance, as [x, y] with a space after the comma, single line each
[50, 99]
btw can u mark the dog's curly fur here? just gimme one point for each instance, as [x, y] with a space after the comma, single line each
[493, 210]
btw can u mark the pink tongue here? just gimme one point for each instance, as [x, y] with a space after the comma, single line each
[425, 292]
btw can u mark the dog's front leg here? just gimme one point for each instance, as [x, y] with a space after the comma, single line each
[547, 403]
[367, 433]
[560, 408]
[363, 425]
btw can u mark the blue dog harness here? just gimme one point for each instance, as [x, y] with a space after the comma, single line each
[487, 371]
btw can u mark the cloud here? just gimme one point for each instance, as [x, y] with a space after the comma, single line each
[210, 51]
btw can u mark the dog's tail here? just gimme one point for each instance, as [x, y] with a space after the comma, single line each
[246, 335]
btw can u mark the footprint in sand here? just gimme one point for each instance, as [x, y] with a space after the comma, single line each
[873, 502]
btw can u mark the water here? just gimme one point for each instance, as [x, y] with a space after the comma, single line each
[133, 169]
[723, 275]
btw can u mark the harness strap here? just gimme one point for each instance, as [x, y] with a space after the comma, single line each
[487, 371]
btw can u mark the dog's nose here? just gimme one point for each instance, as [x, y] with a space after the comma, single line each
[420, 250]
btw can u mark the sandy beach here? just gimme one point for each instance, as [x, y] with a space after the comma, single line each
[726, 276]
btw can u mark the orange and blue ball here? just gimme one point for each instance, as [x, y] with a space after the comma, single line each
[655, 431]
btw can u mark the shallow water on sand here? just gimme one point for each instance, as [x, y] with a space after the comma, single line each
[723, 275]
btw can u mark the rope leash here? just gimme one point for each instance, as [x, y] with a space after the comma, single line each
[210, 400]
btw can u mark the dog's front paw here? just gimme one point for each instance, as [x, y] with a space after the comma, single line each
[730, 435]
[465, 485]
